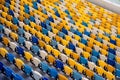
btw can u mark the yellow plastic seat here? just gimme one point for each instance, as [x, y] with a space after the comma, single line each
[41, 43]
[90, 44]
[89, 73]
[55, 52]
[33, 31]
[110, 76]
[19, 63]
[4, 14]
[102, 64]
[14, 28]
[71, 62]
[68, 38]
[9, 17]
[38, 28]
[21, 18]
[117, 59]
[112, 46]
[26, 27]
[104, 46]
[46, 39]
[86, 55]
[93, 36]
[6, 41]
[32, 24]
[57, 38]
[100, 70]
[88, 49]
[67, 51]
[80, 45]
[76, 37]
[50, 59]
[64, 42]
[80, 67]
[14, 36]
[39, 35]
[110, 68]
[28, 56]
[8, 24]
[3, 52]
[104, 52]
[68, 70]
[75, 56]
[62, 77]
[55, 31]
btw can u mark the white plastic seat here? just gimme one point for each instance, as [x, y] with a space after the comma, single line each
[7, 31]
[35, 61]
[60, 47]
[63, 57]
[27, 35]
[91, 65]
[43, 54]
[103, 57]
[12, 45]
[36, 75]
[50, 34]
[28, 44]
[79, 50]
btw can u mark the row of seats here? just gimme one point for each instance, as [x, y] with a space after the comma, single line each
[61, 33]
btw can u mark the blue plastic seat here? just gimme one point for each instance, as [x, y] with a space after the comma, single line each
[55, 10]
[26, 6]
[94, 59]
[71, 21]
[32, 18]
[118, 35]
[38, 1]
[1, 36]
[19, 50]
[97, 77]
[76, 75]
[64, 31]
[49, 28]
[112, 41]
[44, 11]
[73, 30]
[87, 33]
[1, 65]
[112, 51]
[20, 31]
[59, 64]
[35, 49]
[44, 31]
[69, 16]
[99, 39]
[15, 20]
[111, 56]
[8, 71]
[17, 77]
[61, 34]
[67, 12]
[10, 57]
[27, 21]
[111, 62]
[10, 11]
[8, 1]
[21, 40]
[95, 53]
[83, 41]
[44, 66]
[47, 22]
[84, 23]
[57, 14]
[83, 61]
[43, 25]
[35, 6]
[51, 19]
[27, 69]
[53, 43]
[34, 40]
[117, 65]
[1, 28]
[44, 78]
[71, 46]
[78, 33]
[117, 72]
[53, 72]
[26, 10]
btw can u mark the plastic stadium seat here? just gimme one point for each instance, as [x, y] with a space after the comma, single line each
[52, 72]
[10, 57]
[95, 53]
[3, 52]
[83, 61]
[111, 56]
[17, 77]
[27, 69]
[53, 43]
[63, 57]
[5, 41]
[36, 75]
[117, 72]
[59, 64]
[35, 49]
[97, 77]
[44, 66]
[76, 75]
[71, 46]
[34, 39]
[36, 61]
[44, 78]
[1, 66]
[28, 56]
[50, 59]
[21, 40]
[91, 65]
[62, 77]
[19, 50]
[94, 59]
[12, 45]
[111, 62]
[19, 63]
[67, 70]
[80, 68]
[43, 54]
